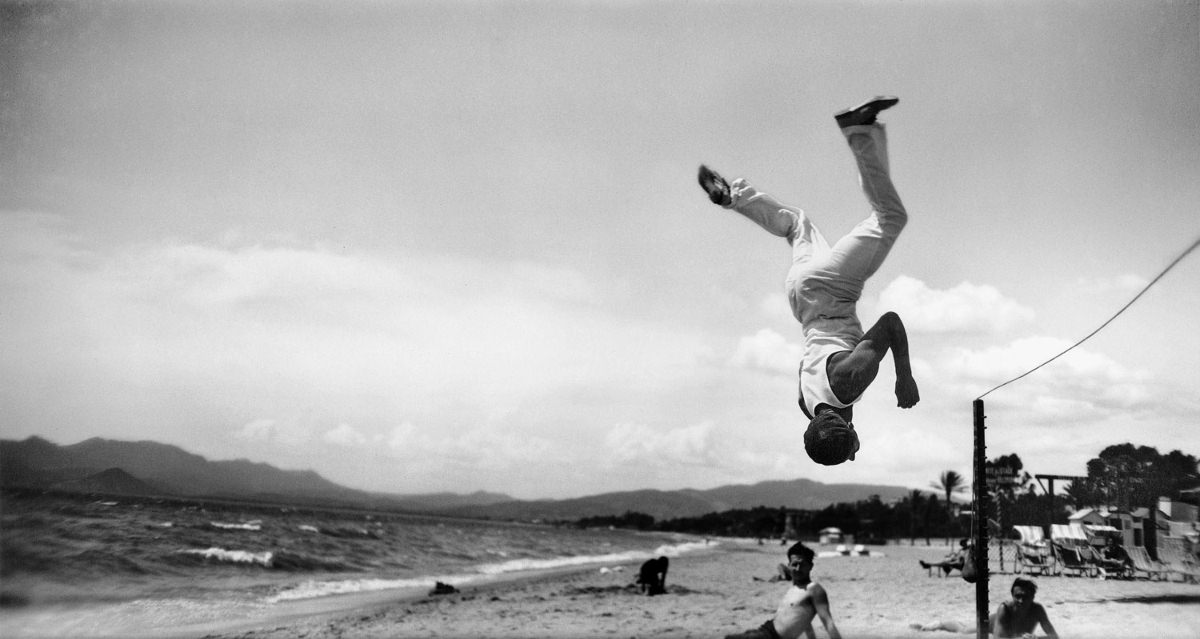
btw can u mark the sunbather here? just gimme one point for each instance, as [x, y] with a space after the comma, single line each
[1021, 616]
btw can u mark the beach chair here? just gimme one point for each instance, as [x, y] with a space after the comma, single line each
[1033, 553]
[1070, 561]
[1105, 567]
[1142, 563]
[1175, 556]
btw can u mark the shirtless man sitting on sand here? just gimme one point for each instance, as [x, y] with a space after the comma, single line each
[1022, 615]
[803, 600]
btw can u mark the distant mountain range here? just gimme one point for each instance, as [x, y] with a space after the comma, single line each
[147, 468]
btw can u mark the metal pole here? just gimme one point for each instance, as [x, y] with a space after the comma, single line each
[981, 530]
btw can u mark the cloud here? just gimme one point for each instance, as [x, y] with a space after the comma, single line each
[272, 431]
[637, 444]
[487, 448]
[769, 352]
[965, 308]
[298, 322]
[1127, 283]
[257, 430]
[1078, 386]
[344, 435]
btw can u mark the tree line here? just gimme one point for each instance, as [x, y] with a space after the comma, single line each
[1124, 476]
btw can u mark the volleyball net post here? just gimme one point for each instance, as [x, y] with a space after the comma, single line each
[980, 555]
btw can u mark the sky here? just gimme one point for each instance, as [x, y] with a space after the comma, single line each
[453, 246]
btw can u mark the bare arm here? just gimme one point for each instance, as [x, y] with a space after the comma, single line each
[821, 604]
[852, 374]
[1000, 623]
[1045, 621]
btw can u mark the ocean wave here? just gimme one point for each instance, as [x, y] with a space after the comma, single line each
[315, 589]
[298, 562]
[248, 525]
[230, 556]
[274, 560]
[517, 565]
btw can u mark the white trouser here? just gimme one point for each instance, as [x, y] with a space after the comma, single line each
[824, 282]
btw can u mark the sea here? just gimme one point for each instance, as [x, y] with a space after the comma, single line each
[77, 566]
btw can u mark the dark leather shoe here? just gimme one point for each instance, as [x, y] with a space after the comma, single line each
[715, 185]
[865, 113]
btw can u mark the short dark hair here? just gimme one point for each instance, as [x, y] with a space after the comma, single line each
[800, 550]
[1027, 584]
[829, 440]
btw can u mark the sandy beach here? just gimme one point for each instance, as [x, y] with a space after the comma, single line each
[726, 590]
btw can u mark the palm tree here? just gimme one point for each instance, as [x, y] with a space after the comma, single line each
[950, 482]
[915, 503]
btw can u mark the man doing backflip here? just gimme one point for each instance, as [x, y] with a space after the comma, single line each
[825, 283]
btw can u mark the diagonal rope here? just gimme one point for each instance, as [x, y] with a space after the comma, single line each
[1109, 321]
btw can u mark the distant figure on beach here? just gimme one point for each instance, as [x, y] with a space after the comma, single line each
[652, 577]
[1021, 616]
[803, 600]
[955, 560]
[824, 284]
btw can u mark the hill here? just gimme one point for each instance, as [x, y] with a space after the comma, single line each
[113, 481]
[152, 468]
[800, 494]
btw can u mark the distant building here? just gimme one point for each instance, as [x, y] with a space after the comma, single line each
[831, 535]
[1125, 526]
[1177, 519]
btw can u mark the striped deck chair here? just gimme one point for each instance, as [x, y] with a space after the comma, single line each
[1070, 561]
[1142, 563]
[1106, 568]
[1033, 553]
[1174, 554]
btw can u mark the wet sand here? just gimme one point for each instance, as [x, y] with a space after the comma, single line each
[727, 590]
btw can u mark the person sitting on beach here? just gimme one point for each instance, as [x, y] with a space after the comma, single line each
[954, 560]
[652, 578]
[1021, 616]
[803, 600]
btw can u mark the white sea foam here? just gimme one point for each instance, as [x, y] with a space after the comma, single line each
[313, 589]
[232, 556]
[308, 528]
[249, 525]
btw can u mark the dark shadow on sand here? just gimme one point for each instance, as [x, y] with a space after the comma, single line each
[1153, 599]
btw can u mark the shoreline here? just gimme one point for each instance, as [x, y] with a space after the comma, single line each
[305, 612]
[727, 590]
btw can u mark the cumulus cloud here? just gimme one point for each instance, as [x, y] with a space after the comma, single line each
[769, 352]
[489, 448]
[257, 430]
[256, 322]
[637, 444]
[344, 435]
[1127, 283]
[272, 431]
[965, 308]
[1079, 384]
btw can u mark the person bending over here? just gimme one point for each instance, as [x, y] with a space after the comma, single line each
[652, 576]
[825, 282]
[803, 600]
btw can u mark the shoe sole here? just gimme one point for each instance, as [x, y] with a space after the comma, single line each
[877, 104]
